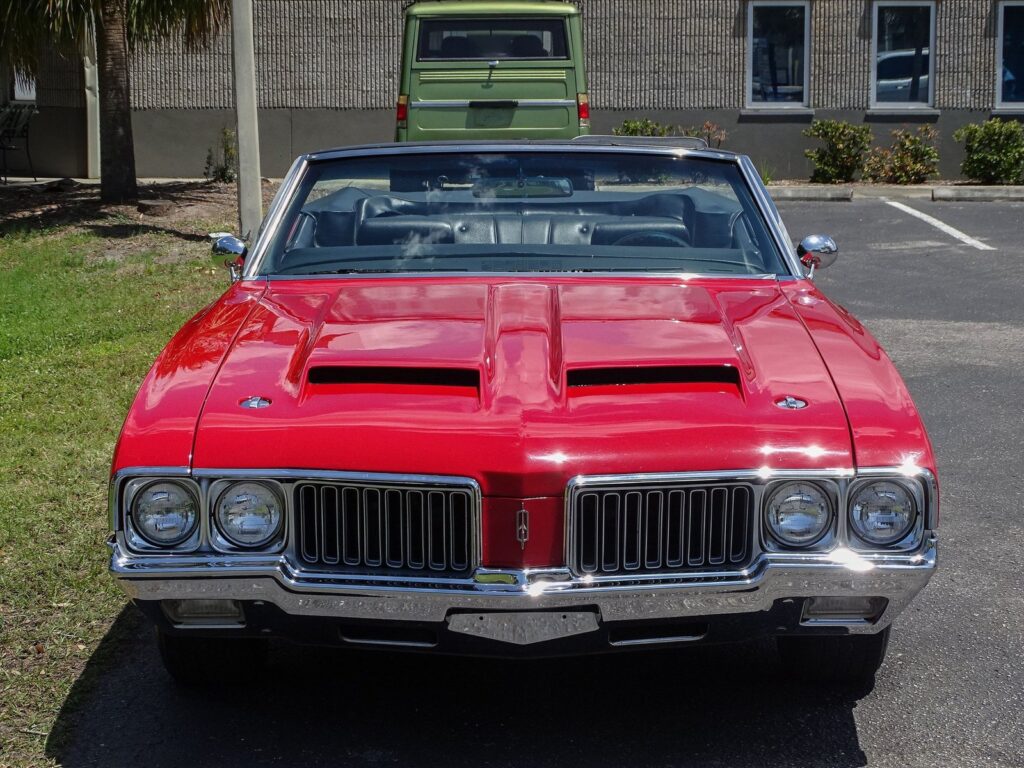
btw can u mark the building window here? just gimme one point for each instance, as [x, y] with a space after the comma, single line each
[1010, 55]
[778, 41]
[904, 43]
[23, 88]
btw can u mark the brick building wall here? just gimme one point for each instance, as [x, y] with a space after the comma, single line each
[652, 54]
[328, 73]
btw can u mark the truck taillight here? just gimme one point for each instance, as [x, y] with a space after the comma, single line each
[583, 107]
[402, 112]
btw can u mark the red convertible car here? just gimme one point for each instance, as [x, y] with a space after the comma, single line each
[523, 399]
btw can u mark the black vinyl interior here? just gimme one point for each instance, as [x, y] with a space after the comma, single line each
[354, 217]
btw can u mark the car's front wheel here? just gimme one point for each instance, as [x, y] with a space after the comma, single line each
[201, 661]
[833, 659]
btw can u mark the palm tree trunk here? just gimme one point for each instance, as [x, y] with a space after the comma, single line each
[117, 147]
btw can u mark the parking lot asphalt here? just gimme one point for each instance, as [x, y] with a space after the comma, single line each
[950, 694]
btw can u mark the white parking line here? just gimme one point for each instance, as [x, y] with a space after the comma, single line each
[942, 226]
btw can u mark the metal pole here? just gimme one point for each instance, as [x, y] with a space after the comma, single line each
[250, 196]
[92, 116]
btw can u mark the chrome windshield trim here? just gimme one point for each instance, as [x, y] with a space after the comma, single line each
[761, 200]
[773, 219]
[272, 221]
[668, 276]
[519, 145]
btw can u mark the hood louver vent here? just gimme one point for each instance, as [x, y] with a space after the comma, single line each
[395, 375]
[660, 374]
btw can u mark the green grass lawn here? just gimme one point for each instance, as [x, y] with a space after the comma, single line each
[82, 316]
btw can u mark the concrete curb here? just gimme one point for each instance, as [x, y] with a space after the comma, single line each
[790, 192]
[978, 194]
[847, 192]
[813, 192]
[893, 191]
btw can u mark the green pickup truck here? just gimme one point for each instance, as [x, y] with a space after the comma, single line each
[492, 70]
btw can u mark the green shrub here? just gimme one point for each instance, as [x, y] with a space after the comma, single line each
[712, 133]
[995, 151]
[911, 159]
[643, 127]
[842, 157]
[222, 162]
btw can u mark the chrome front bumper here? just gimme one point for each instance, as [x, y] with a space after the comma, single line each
[772, 577]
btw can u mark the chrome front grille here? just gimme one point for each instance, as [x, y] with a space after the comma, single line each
[353, 527]
[660, 528]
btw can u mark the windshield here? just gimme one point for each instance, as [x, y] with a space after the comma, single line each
[522, 212]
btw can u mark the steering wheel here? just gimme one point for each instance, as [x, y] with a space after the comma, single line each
[654, 239]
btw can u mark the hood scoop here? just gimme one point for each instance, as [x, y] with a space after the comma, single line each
[364, 376]
[684, 378]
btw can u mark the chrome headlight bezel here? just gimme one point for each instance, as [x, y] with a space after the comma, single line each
[910, 538]
[825, 538]
[134, 535]
[221, 540]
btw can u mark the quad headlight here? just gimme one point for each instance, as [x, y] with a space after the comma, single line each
[798, 514]
[882, 512]
[165, 513]
[249, 514]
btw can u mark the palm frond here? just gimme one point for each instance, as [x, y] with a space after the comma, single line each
[27, 26]
[197, 22]
[69, 26]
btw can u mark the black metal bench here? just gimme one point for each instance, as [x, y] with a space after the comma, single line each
[15, 119]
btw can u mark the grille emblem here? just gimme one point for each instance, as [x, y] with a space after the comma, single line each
[791, 403]
[255, 402]
[522, 527]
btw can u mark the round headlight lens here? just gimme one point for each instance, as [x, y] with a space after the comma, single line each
[798, 514]
[882, 512]
[165, 513]
[249, 514]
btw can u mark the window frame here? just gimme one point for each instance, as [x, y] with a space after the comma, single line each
[748, 95]
[27, 84]
[903, 106]
[1004, 106]
[422, 29]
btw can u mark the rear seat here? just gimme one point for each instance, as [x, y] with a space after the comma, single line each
[535, 229]
[404, 229]
[386, 220]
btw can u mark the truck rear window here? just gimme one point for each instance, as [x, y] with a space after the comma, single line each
[492, 39]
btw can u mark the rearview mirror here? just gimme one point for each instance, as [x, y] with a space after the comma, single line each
[817, 252]
[234, 249]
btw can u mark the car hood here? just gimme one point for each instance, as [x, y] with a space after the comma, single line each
[522, 383]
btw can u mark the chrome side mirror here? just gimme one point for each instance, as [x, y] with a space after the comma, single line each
[817, 252]
[235, 251]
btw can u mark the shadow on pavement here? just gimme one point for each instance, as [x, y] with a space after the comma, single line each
[714, 706]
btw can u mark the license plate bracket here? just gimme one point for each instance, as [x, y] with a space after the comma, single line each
[524, 627]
